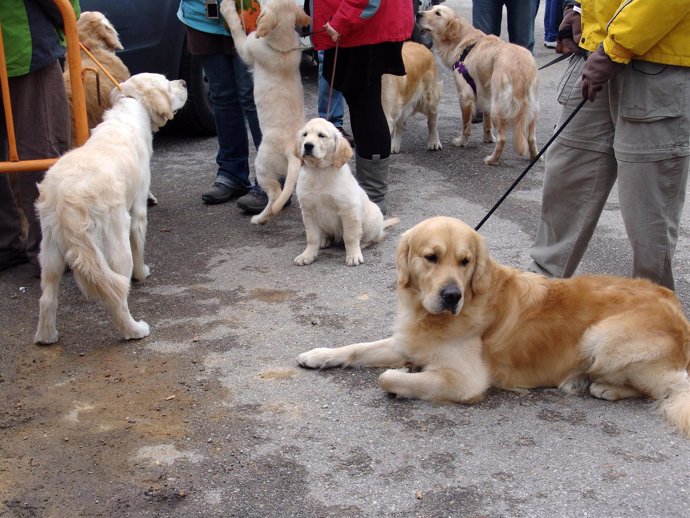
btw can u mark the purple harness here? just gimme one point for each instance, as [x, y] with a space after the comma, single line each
[460, 67]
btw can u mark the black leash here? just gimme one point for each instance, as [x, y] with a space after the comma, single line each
[554, 61]
[534, 161]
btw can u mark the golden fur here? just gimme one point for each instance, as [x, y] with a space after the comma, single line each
[92, 204]
[469, 323]
[334, 207]
[505, 75]
[100, 37]
[273, 53]
[418, 91]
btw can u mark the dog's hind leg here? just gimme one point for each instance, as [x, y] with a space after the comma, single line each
[532, 139]
[273, 190]
[52, 268]
[137, 239]
[500, 143]
[120, 259]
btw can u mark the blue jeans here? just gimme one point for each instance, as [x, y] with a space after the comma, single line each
[553, 16]
[245, 89]
[487, 14]
[337, 104]
[233, 144]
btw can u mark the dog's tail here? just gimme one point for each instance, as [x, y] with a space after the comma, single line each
[290, 183]
[526, 113]
[676, 407]
[390, 222]
[93, 274]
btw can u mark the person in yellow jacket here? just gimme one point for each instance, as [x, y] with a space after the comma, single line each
[631, 61]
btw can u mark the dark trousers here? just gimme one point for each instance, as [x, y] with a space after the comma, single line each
[42, 129]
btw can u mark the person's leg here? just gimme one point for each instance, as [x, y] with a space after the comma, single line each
[580, 171]
[372, 141]
[337, 108]
[553, 14]
[11, 239]
[245, 91]
[652, 196]
[652, 146]
[521, 15]
[42, 128]
[487, 15]
[232, 158]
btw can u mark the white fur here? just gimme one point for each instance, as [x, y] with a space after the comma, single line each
[273, 53]
[334, 207]
[92, 205]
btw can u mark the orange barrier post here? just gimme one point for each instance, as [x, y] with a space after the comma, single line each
[15, 164]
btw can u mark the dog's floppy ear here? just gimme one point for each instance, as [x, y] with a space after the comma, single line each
[402, 260]
[266, 22]
[297, 148]
[110, 37]
[481, 278]
[302, 19]
[157, 100]
[343, 151]
[451, 31]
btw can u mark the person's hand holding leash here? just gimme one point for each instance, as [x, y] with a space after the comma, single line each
[569, 32]
[332, 32]
[598, 69]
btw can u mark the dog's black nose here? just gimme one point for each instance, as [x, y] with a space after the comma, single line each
[308, 148]
[451, 295]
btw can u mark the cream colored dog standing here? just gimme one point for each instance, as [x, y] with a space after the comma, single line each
[418, 91]
[505, 76]
[334, 207]
[92, 205]
[273, 53]
[466, 323]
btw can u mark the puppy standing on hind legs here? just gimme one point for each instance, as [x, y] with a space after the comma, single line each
[92, 205]
[273, 52]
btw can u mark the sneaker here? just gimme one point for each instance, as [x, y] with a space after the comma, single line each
[348, 137]
[550, 44]
[256, 200]
[220, 193]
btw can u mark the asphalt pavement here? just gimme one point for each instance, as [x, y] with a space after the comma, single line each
[210, 416]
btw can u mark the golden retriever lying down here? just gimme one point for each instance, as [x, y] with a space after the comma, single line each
[100, 37]
[418, 91]
[466, 323]
[334, 207]
[273, 52]
[92, 204]
[505, 77]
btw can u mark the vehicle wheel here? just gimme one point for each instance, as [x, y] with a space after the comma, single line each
[197, 115]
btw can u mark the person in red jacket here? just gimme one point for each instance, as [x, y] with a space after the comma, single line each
[363, 40]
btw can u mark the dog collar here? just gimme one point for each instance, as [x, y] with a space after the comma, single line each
[460, 67]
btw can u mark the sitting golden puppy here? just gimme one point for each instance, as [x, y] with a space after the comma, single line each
[334, 207]
[466, 323]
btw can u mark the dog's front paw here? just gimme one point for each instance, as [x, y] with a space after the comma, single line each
[304, 259]
[434, 145]
[229, 11]
[460, 141]
[319, 358]
[137, 331]
[354, 259]
[145, 272]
